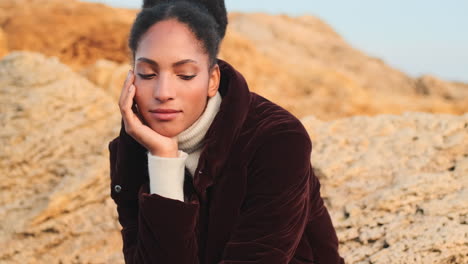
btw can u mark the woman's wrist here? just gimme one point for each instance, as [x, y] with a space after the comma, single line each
[170, 151]
[165, 154]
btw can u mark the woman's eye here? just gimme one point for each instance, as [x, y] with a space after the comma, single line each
[187, 77]
[146, 76]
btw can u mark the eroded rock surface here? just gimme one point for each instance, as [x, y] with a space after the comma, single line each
[3, 44]
[54, 196]
[78, 33]
[396, 186]
[300, 63]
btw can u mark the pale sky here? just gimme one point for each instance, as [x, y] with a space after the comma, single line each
[414, 36]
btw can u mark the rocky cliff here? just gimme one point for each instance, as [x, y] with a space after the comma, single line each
[299, 62]
[395, 181]
[395, 185]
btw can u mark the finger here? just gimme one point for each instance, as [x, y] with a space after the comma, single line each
[129, 80]
[127, 112]
[123, 88]
[127, 95]
[128, 101]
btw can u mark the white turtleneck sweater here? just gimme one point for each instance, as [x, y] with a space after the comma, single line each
[167, 174]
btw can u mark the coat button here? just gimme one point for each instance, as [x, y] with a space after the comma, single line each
[117, 188]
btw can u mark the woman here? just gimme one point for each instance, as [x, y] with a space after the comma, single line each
[203, 170]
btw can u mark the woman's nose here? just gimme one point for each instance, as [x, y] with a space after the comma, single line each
[163, 89]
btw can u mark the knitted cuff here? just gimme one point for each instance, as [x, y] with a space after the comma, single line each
[167, 175]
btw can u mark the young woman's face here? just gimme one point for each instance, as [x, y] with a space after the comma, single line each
[172, 74]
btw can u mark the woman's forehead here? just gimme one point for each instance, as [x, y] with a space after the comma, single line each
[170, 38]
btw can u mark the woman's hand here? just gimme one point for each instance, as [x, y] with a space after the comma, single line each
[154, 142]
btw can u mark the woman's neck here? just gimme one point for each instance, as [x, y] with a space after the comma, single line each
[191, 139]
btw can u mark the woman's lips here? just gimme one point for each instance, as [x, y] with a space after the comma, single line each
[164, 116]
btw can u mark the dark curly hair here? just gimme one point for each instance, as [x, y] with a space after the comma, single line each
[207, 19]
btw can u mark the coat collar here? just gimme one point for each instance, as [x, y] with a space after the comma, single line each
[225, 127]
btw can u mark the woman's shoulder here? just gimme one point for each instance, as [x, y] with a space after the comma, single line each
[275, 138]
[270, 117]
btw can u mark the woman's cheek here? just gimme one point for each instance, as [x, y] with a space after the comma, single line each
[139, 97]
[138, 84]
[141, 90]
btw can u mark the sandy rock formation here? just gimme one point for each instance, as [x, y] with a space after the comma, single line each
[431, 86]
[77, 33]
[108, 75]
[299, 62]
[3, 44]
[318, 73]
[54, 202]
[312, 44]
[396, 186]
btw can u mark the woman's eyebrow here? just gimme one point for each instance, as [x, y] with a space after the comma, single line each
[179, 63]
[174, 65]
[149, 61]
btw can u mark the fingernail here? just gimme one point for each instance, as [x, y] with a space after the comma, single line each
[131, 88]
[129, 74]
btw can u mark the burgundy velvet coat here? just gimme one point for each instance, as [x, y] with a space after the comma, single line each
[254, 197]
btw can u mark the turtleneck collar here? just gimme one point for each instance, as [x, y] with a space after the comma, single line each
[191, 139]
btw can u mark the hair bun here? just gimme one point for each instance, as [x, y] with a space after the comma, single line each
[215, 7]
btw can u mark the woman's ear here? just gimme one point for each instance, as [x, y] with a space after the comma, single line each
[213, 84]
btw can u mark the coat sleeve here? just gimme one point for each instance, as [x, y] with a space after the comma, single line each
[155, 229]
[320, 231]
[276, 207]
[161, 230]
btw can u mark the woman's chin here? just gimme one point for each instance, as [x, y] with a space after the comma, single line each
[166, 130]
